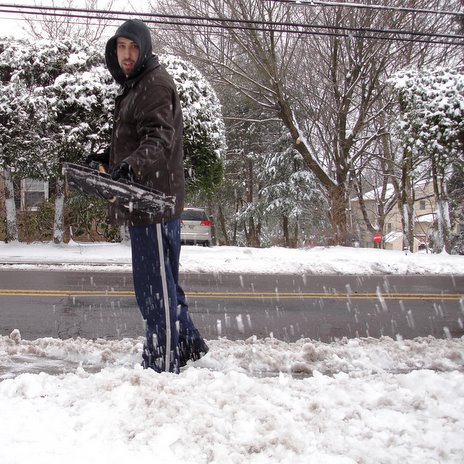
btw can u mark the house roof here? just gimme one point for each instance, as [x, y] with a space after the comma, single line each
[429, 218]
[374, 194]
[392, 236]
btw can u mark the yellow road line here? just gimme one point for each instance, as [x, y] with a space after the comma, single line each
[238, 295]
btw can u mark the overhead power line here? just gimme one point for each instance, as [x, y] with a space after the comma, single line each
[354, 5]
[320, 3]
[238, 24]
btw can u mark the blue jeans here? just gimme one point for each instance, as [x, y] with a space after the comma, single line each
[161, 300]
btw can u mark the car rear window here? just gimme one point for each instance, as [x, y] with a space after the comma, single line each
[194, 215]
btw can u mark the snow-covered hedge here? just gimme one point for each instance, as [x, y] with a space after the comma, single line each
[56, 104]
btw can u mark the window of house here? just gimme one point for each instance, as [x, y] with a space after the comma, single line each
[33, 193]
[422, 204]
[389, 227]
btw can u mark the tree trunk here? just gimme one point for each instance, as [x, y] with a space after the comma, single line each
[338, 208]
[406, 207]
[235, 232]
[406, 203]
[58, 224]
[285, 231]
[222, 222]
[11, 222]
[442, 222]
[254, 228]
[296, 233]
[253, 234]
[124, 234]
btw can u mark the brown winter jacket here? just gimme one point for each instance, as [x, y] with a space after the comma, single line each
[147, 130]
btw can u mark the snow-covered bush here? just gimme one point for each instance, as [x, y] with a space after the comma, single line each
[431, 128]
[63, 105]
[65, 96]
[204, 135]
[431, 121]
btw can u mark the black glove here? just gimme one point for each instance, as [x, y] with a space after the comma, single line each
[101, 157]
[123, 171]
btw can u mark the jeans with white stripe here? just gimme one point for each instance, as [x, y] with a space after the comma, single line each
[155, 268]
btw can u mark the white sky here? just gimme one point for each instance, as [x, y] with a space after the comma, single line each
[13, 25]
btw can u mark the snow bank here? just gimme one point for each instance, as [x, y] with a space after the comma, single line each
[318, 260]
[255, 401]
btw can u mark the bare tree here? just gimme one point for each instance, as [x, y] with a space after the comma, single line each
[48, 26]
[327, 87]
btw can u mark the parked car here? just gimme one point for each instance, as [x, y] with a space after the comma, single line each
[195, 227]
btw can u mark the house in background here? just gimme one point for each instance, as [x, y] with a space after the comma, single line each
[392, 234]
[32, 193]
[29, 193]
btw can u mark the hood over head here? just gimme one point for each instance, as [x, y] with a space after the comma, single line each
[138, 32]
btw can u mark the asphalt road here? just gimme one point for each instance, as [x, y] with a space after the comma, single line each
[45, 303]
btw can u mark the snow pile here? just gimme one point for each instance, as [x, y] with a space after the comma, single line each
[318, 260]
[255, 401]
[256, 357]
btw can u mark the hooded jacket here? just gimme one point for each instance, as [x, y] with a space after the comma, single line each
[147, 130]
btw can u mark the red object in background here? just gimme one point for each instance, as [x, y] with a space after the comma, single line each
[377, 238]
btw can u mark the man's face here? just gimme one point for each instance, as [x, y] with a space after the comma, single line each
[128, 53]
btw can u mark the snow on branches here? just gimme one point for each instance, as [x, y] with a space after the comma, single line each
[431, 129]
[431, 119]
[204, 132]
[62, 106]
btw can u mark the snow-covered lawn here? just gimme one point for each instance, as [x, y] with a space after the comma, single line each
[252, 401]
[318, 260]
